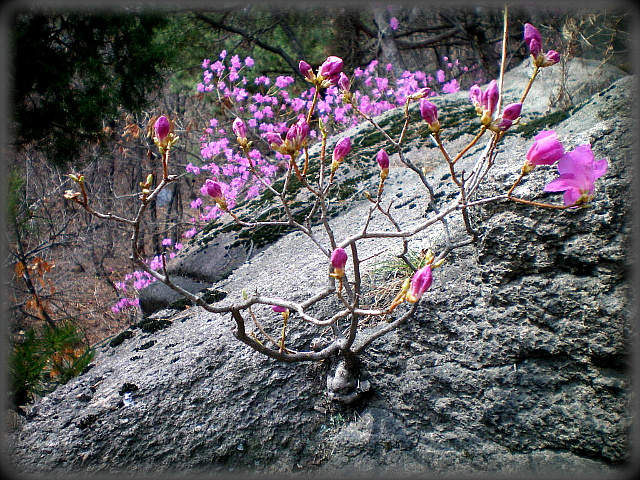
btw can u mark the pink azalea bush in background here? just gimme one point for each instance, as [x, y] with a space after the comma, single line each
[133, 282]
[269, 112]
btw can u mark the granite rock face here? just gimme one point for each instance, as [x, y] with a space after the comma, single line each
[516, 362]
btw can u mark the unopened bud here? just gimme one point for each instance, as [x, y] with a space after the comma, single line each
[296, 136]
[214, 190]
[343, 82]
[475, 95]
[490, 98]
[71, 195]
[341, 149]
[331, 66]
[306, 70]
[338, 262]
[162, 128]
[383, 162]
[429, 113]
[282, 310]
[510, 113]
[550, 58]
[239, 128]
[420, 283]
[423, 92]
[533, 39]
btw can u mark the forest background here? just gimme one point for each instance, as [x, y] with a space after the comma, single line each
[84, 87]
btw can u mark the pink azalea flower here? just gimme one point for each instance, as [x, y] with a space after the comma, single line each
[189, 233]
[452, 86]
[578, 172]
[235, 62]
[283, 81]
[546, 149]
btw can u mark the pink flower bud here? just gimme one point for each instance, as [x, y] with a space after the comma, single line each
[239, 128]
[423, 92]
[383, 162]
[162, 128]
[303, 129]
[512, 111]
[504, 124]
[343, 82]
[331, 66]
[490, 97]
[383, 159]
[546, 149]
[535, 46]
[420, 283]
[428, 111]
[278, 309]
[475, 95]
[213, 189]
[533, 39]
[306, 70]
[509, 114]
[297, 134]
[273, 138]
[342, 148]
[338, 261]
[550, 58]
